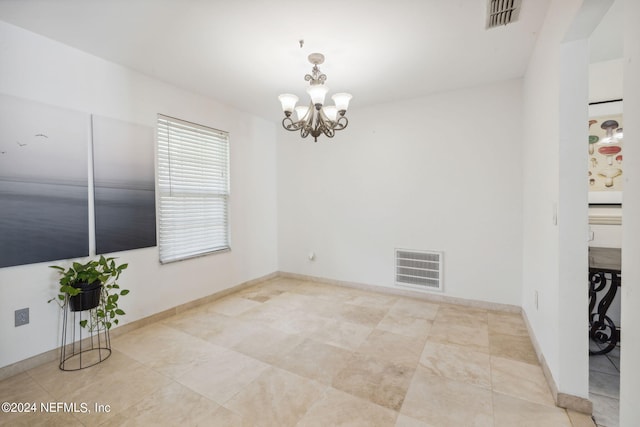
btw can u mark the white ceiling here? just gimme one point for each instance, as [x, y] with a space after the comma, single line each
[607, 40]
[246, 52]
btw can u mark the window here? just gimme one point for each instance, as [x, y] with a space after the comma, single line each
[193, 175]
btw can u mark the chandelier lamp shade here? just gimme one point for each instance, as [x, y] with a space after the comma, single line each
[316, 118]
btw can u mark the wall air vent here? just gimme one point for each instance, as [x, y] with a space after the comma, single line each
[502, 12]
[419, 269]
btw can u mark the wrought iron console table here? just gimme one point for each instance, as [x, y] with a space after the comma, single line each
[604, 279]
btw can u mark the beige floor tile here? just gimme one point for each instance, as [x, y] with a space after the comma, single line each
[513, 347]
[300, 322]
[475, 338]
[315, 360]
[169, 406]
[225, 417]
[373, 300]
[233, 305]
[267, 344]
[438, 401]
[26, 397]
[457, 363]
[276, 398]
[521, 380]
[392, 347]
[268, 313]
[406, 421]
[224, 375]
[580, 420]
[415, 308]
[510, 411]
[40, 418]
[377, 380]
[167, 350]
[60, 384]
[23, 388]
[294, 301]
[326, 292]
[462, 315]
[398, 323]
[261, 293]
[211, 326]
[342, 334]
[341, 409]
[362, 315]
[232, 334]
[141, 343]
[507, 323]
[119, 389]
[280, 284]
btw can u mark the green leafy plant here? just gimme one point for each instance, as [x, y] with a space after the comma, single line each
[103, 270]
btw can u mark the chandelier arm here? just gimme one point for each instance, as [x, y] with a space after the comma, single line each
[290, 125]
[326, 122]
[341, 123]
[304, 132]
[329, 132]
[308, 117]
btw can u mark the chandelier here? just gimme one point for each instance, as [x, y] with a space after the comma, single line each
[316, 118]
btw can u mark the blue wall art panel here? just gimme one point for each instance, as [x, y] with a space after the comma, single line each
[124, 185]
[44, 210]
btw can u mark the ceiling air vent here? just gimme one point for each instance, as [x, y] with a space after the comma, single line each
[419, 269]
[502, 12]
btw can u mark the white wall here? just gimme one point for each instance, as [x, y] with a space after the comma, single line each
[605, 80]
[42, 70]
[436, 173]
[555, 260]
[630, 347]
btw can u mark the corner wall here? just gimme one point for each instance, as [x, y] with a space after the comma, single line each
[440, 173]
[40, 69]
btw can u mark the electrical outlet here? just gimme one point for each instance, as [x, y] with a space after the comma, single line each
[22, 316]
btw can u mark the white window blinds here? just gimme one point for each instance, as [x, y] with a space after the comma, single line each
[193, 175]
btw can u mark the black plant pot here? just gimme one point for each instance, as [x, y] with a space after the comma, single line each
[88, 298]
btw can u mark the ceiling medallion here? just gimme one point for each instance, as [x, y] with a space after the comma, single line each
[316, 118]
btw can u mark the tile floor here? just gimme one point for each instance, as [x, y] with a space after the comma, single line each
[295, 353]
[604, 387]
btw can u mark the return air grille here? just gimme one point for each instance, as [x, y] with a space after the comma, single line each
[419, 269]
[502, 12]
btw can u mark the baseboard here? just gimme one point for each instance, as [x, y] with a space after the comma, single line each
[562, 400]
[407, 293]
[51, 355]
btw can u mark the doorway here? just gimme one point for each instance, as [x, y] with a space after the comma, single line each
[606, 166]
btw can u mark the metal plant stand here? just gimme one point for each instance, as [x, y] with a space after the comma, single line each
[83, 347]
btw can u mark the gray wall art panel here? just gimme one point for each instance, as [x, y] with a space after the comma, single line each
[124, 185]
[43, 182]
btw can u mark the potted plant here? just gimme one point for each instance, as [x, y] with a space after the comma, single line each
[90, 285]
